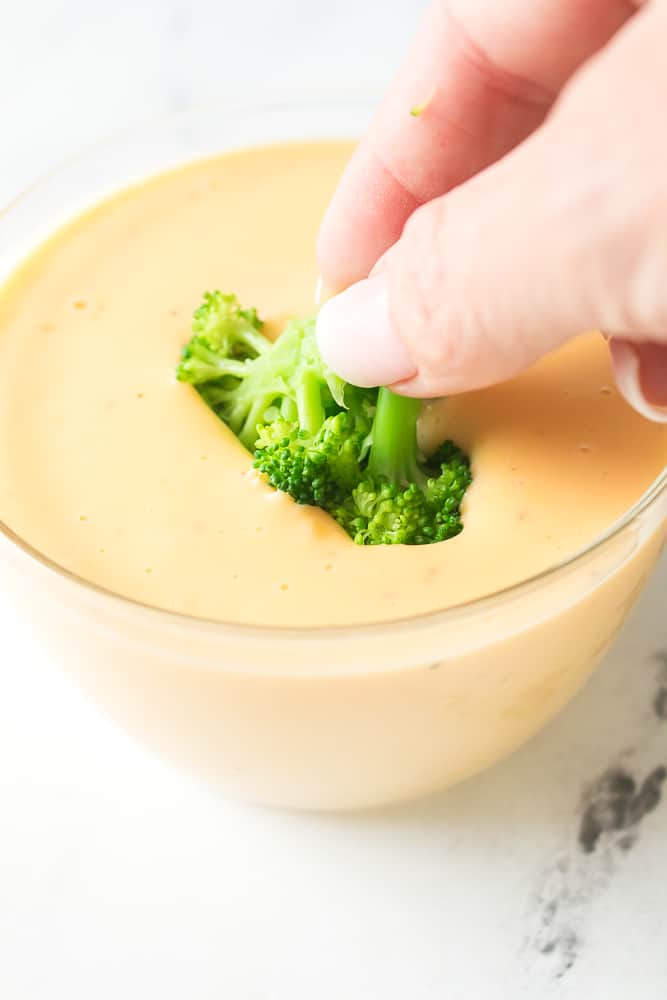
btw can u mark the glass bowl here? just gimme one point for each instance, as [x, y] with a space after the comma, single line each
[328, 718]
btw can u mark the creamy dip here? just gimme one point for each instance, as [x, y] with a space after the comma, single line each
[122, 475]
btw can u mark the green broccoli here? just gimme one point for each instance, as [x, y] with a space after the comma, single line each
[401, 498]
[353, 452]
[248, 380]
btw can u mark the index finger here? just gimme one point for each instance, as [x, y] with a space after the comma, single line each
[480, 77]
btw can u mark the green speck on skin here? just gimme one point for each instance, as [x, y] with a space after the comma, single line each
[419, 109]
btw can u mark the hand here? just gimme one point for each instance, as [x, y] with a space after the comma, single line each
[525, 204]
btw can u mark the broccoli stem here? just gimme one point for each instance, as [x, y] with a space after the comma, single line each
[309, 402]
[256, 341]
[394, 452]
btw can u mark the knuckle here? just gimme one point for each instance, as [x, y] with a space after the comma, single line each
[632, 256]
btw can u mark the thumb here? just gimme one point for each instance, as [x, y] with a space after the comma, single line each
[562, 235]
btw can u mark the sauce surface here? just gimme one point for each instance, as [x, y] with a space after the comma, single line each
[122, 475]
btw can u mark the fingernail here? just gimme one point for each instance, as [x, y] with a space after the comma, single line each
[323, 292]
[641, 377]
[357, 338]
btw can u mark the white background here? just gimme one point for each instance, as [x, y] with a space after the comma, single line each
[120, 877]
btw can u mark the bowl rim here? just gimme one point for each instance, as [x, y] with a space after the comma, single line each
[8, 537]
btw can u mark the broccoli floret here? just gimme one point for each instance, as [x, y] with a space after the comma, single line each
[402, 498]
[248, 380]
[319, 469]
[353, 452]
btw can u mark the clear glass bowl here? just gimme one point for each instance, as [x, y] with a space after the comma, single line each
[336, 718]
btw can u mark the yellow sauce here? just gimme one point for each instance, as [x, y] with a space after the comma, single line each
[120, 474]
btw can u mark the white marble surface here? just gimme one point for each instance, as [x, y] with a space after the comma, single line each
[121, 878]
[71, 71]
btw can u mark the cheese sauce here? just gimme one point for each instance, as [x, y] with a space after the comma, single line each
[122, 475]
